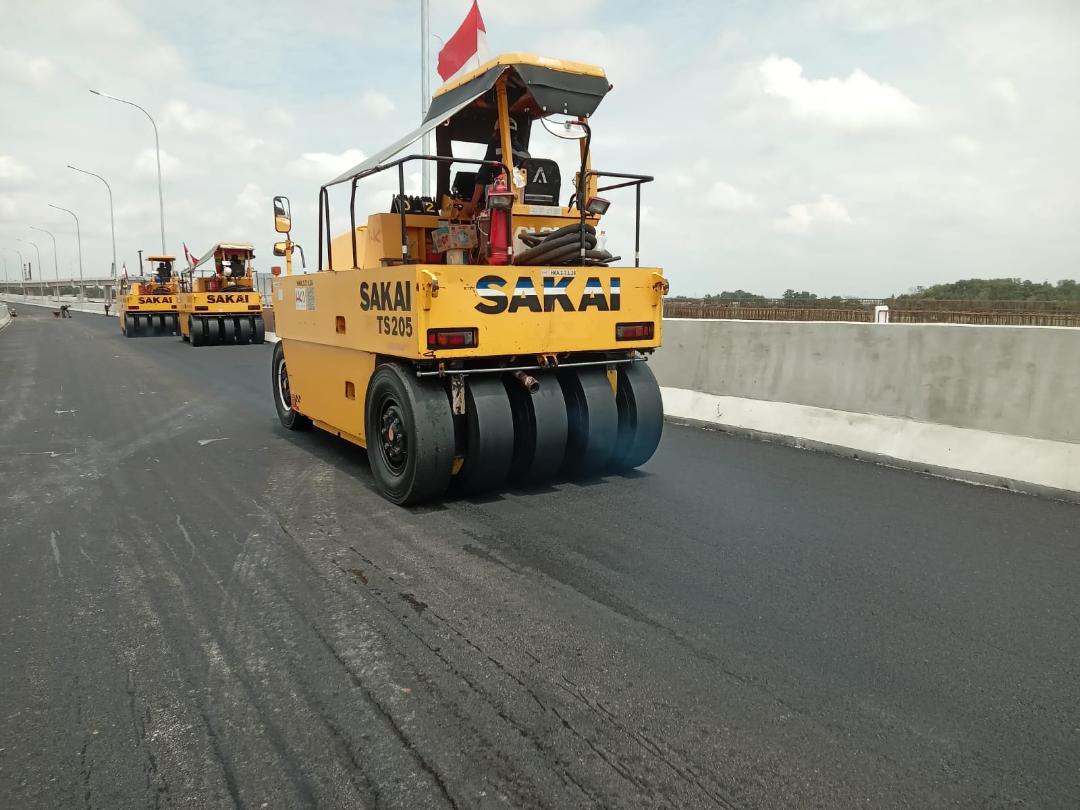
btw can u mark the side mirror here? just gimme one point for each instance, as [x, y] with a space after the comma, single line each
[279, 248]
[282, 215]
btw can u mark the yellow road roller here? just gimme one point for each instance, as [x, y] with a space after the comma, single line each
[485, 336]
[220, 305]
[147, 305]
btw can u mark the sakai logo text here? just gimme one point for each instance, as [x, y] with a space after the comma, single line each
[226, 298]
[556, 294]
[385, 296]
[155, 299]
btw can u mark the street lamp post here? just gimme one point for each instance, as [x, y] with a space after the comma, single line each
[36, 248]
[157, 149]
[78, 237]
[55, 264]
[22, 269]
[112, 216]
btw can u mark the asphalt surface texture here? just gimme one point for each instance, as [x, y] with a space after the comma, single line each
[200, 609]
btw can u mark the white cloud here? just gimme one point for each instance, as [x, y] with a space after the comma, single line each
[279, 116]
[323, 166]
[179, 114]
[1004, 91]
[100, 18]
[7, 208]
[146, 164]
[252, 201]
[13, 170]
[801, 218]
[624, 51]
[878, 15]
[377, 105]
[965, 146]
[23, 68]
[726, 197]
[856, 103]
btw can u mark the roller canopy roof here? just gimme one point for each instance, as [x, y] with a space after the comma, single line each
[535, 87]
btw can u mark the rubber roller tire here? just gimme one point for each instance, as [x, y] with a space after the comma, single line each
[641, 417]
[489, 435]
[279, 380]
[196, 331]
[421, 409]
[260, 330]
[245, 330]
[214, 331]
[228, 329]
[129, 326]
[592, 421]
[540, 426]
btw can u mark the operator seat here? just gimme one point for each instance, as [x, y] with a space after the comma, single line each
[542, 181]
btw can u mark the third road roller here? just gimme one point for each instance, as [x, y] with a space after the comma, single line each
[486, 336]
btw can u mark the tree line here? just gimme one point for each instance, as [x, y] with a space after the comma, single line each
[972, 289]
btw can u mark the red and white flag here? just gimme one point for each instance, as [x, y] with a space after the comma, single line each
[188, 256]
[466, 49]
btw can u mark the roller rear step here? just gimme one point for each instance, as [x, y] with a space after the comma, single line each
[219, 330]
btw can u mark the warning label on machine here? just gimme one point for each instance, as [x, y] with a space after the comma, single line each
[305, 298]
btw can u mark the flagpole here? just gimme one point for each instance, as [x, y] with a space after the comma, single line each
[425, 88]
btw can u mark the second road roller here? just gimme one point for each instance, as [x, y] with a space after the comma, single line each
[484, 336]
[221, 305]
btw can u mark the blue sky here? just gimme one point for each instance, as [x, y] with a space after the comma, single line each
[856, 147]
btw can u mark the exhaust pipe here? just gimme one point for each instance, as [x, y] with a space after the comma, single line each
[531, 384]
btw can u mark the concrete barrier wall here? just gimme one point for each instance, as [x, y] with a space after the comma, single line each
[88, 305]
[1018, 380]
[5, 318]
[995, 404]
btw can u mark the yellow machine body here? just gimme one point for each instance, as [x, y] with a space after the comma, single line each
[400, 334]
[334, 326]
[222, 305]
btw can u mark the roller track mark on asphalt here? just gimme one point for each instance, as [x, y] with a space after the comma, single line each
[484, 695]
[391, 721]
[683, 770]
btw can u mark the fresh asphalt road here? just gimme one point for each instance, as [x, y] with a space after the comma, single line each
[201, 609]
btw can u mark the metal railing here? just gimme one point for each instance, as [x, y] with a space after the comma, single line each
[324, 200]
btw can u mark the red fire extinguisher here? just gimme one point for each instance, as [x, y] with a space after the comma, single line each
[500, 202]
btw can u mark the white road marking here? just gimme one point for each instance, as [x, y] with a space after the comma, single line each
[56, 554]
[204, 442]
[187, 537]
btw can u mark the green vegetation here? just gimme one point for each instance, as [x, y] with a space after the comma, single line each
[997, 289]
[973, 289]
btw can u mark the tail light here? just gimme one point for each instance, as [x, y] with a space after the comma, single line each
[132, 309]
[634, 331]
[254, 306]
[452, 338]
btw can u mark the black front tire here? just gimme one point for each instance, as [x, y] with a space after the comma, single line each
[287, 415]
[410, 435]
